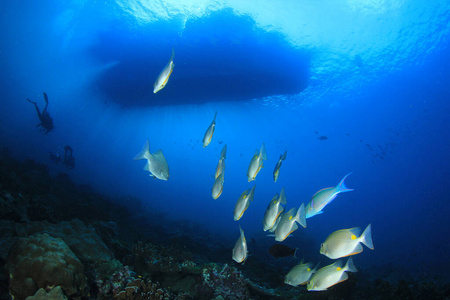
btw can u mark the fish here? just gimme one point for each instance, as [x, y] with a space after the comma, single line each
[323, 138]
[256, 163]
[274, 210]
[209, 132]
[288, 223]
[330, 275]
[243, 202]
[300, 274]
[275, 226]
[221, 164]
[276, 171]
[163, 77]
[217, 188]
[240, 250]
[324, 197]
[280, 250]
[346, 242]
[156, 162]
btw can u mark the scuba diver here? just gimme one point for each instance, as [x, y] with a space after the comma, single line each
[44, 117]
[55, 157]
[69, 160]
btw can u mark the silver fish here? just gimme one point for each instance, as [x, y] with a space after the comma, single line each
[300, 274]
[209, 132]
[274, 210]
[256, 163]
[239, 254]
[156, 162]
[346, 242]
[163, 77]
[221, 164]
[276, 171]
[288, 223]
[330, 275]
[217, 188]
[243, 202]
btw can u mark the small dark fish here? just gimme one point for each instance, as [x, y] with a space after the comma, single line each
[280, 250]
[220, 142]
[322, 138]
[347, 134]
[316, 132]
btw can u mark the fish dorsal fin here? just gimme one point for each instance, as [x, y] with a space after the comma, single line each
[355, 231]
[158, 153]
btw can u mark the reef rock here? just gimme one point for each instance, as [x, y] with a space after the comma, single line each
[82, 240]
[54, 294]
[41, 261]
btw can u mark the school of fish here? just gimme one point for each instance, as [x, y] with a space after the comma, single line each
[339, 244]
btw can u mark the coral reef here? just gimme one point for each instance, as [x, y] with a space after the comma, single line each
[140, 289]
[63, 241]
[110, 284]
[41, 261]
[224, 281]
[54, 294]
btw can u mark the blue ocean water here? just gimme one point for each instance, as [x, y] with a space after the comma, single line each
[371, 76]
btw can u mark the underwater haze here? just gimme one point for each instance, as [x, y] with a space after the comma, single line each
[360, 87]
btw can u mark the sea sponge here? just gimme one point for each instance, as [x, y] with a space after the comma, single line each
[41, 261]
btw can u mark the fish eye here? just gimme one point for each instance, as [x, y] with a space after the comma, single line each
[321, 245]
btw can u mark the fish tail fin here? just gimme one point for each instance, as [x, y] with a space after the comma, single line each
[295, 253]
[301, 215]
[223, 154]
[45, 97]
[283, 156]
[215, 115]
[349, 266]
[283, 196]
[367, 237]
[145, 152]
[262, 152]
[173, 54]
[241, 231]
[342, 187]
[252, 193]
[316, 267]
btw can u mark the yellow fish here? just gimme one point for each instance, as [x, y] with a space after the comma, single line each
[330, 275]
[276, 171]
[274, 210]
[323, 197]
[239, 253]
[243, 202]
[300, 274]
[346, 242]
[256, 163]
[221, 164]
[163, 77]
[209, 132]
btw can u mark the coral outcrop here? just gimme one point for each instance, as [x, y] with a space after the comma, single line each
[54, 294]
[41, 261]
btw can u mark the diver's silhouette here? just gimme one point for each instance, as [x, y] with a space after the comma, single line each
[55, 157]
[69, 160]
[44, 117]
